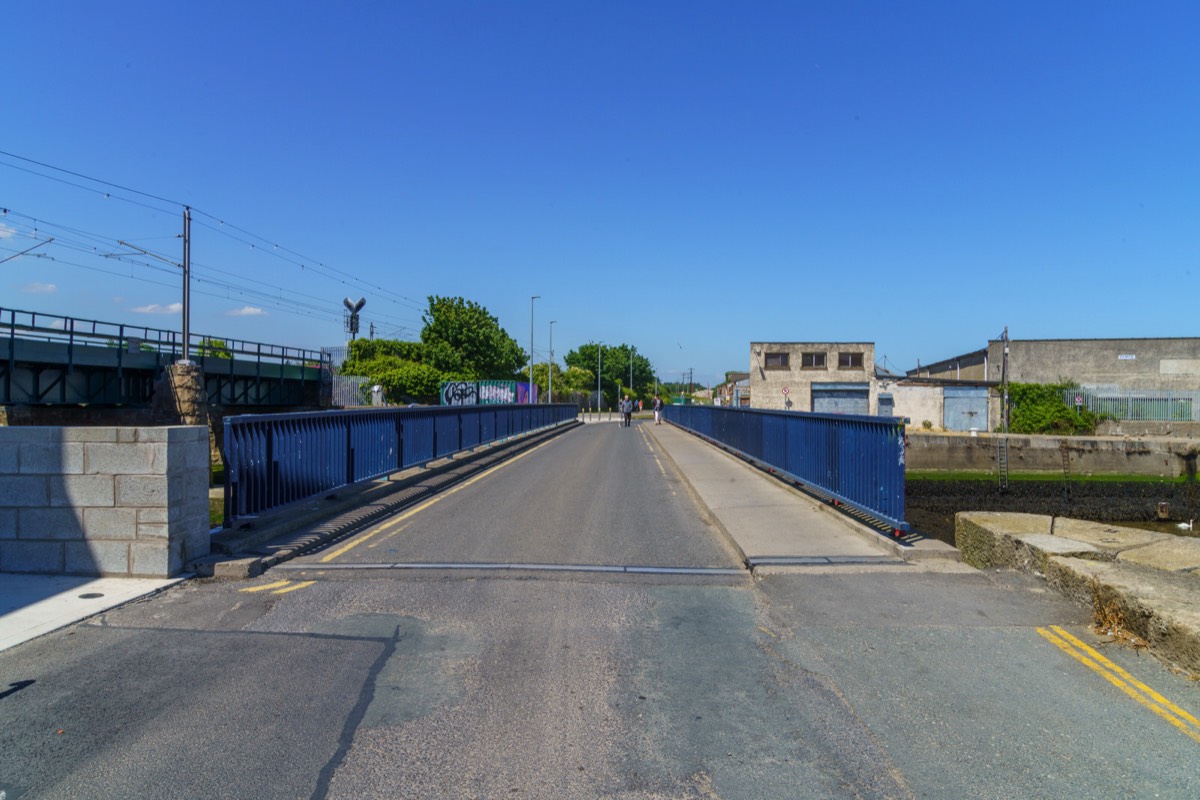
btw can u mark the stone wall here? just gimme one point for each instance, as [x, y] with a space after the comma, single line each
[103, 500]
[1159, 456]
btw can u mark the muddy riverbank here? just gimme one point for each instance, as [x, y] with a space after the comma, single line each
[930, 505]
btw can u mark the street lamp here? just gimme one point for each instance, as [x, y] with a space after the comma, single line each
[531, 299]
[599, 350]
[550, 367]
[632, 350]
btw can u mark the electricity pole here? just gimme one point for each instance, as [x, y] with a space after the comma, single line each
[535, 297]
[550, 367]
[187, 280]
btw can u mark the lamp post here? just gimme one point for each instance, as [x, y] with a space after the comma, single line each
[599, 397]
[531, 299]
[632, 350]
[550, 366]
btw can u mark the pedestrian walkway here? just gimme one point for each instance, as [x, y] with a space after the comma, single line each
[31, 605]
[774, 525]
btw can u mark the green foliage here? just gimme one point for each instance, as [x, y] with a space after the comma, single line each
[463, 338]
[401, 379]
[213, 348]
[1039, 408]
[460, 341]
[614, 370]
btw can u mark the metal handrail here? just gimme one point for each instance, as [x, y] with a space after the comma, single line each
[857, 461]
[37, 326]
[275, 459]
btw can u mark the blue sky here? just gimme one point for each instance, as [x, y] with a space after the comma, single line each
[686, 177]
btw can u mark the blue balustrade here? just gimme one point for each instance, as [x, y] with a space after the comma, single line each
[275, 459]
[857, 461]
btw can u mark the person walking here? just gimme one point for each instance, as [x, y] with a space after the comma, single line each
[627, 410]
[658, 407]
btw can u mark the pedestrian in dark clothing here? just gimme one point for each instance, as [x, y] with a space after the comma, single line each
[658, 407]
[627, 410]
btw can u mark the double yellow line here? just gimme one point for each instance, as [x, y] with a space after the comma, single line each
[278, 587]
[1098, 663]
[396, 521]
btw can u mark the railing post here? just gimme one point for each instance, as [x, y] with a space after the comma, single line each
[349, 451]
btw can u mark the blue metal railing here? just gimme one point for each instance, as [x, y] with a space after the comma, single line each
[275, 459]
[855, 460]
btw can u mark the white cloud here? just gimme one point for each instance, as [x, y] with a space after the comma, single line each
[6, 232]
[155, 308]
[246, 311]
[39, 288]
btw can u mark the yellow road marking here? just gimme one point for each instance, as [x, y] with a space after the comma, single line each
[265, 587]
[1103, 660]
[1081, 655]
[422, 506]
[300, 585]
[373, 545]
[767, 631]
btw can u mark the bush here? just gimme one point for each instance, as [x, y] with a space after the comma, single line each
[1039, 408]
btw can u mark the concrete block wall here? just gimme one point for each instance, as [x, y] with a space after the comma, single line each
[103, 501]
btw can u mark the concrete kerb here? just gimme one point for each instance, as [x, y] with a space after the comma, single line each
[913, 548]
[234, 548]
[1122, 574]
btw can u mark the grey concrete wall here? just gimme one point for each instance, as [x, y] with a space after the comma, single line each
[767, 384]
[1124, 363]
[102, 500]
[1163, 457]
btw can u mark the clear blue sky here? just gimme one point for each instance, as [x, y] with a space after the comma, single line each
[686, 177]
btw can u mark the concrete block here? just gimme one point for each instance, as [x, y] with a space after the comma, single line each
[184, 434]
[49, 523]
[82, 490]
[142, 435]
[1109, 538]
[88, 434]
[110, 523]
[152, 530]
[18, 556]
[196, 544]
[1175, 554]
[236, 568]
[188, 486]
[155, 559]
[8, 458]
[125, 459]
[8, 523]
[1161, 607]
[986, 538]
[97, 558]
[28, 434]
[151, 516]
[54, 458]
[24, 491]
[142, 490]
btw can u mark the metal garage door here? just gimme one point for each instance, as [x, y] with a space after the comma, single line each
[964, 407]
[841, 398]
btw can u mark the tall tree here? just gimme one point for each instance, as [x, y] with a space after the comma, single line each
[615, 365]
[463, 338]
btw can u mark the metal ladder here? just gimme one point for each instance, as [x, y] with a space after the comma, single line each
[1002, 461]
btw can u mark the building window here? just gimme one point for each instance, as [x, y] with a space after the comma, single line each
[776, 361]
[812, 361]
[850, 360]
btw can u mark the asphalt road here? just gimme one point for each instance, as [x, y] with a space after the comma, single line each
[345, 677]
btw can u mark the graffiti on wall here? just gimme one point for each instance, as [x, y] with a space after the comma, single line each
[497, 392]
[459, 393]
[469, 393]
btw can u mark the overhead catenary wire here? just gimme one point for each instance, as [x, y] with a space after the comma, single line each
[99, 245]
[298, 259]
